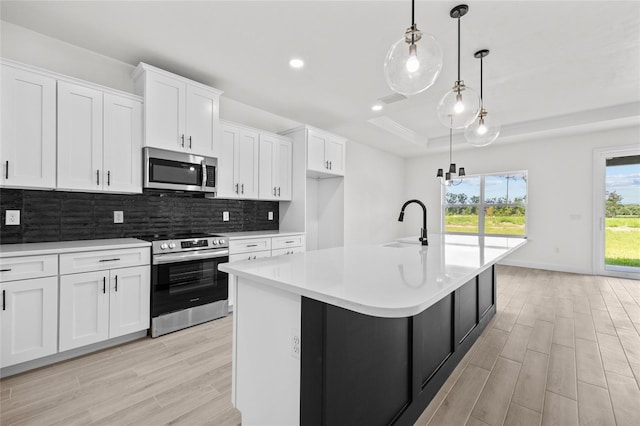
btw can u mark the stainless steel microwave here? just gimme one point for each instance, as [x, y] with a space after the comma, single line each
[179, 171]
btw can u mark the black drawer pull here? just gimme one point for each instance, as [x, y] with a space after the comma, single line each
[98, 177]
[6, 176]
[116, 283]
[104, 285]
[110, 260]
[289, 242]
[5, 270]
[252, 245]
[108, 177]
[4, 305]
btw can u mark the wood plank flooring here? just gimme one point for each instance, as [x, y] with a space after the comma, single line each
[563, 349]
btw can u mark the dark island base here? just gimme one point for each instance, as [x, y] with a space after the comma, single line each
[362, 370]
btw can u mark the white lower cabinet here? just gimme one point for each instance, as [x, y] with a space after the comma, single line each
[100, 305]
[259, 247]
[29, 320]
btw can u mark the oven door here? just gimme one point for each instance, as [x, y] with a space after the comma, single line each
[183, 284]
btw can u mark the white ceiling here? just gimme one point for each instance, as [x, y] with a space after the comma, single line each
[575, 60]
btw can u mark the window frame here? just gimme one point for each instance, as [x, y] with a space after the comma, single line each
[482, 205]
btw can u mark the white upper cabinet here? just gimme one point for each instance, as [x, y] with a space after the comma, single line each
[325, 153]
[99, 140]
[28, 141]
[275, 167]
[180, 114]
[238, 162]
[79, 137]
[122, 144]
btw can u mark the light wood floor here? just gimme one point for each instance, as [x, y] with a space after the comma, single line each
[563, 349]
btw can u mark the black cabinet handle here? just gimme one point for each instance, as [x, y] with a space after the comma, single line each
[104, 285]
[116, 283]
[182, 138]
[242, 188]
[330, 166]
[274, 191]
[108, 177]
[326, 164]
[98, 177]
[237, 188]
[5, 270]
[189, 142]
[109, 260]
[278, 191]
[252, 245]
[289, 242]
[6, 175]
[4, 304]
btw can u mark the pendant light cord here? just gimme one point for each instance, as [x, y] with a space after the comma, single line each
[413, 19]
[450, 146]
[458, 48]
[481, 98]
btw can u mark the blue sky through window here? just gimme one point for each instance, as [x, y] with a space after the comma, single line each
[625, 180]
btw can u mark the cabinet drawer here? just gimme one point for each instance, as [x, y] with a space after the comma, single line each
[249, 255]
[250, 245]
[290, 250]
[72, 263]
[27, 267]
[290, 241]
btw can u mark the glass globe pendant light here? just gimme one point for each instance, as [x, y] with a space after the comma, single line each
[414, 62]
[486, 128]
[461, 102]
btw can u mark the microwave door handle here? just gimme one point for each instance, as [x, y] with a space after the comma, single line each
[204, 175]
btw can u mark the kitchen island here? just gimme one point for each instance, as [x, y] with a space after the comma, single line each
[360, 334]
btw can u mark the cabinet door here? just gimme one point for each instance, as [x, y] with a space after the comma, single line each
[28, 141]
[203, 131]
[247, 164]
[29, 320]
[165, 99]
[122, 144]
[334, 154]
[129, 300]
[226, 170]
[315, 151]
[79, 137]
[282, 169]
[267, 168]
[84, 309]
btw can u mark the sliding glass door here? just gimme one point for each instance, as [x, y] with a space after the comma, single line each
[618, 212]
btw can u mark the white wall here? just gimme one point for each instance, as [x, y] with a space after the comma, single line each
[374, 193]
[560, 211]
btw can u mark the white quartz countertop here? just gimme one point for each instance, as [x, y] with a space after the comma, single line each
[35, 249]
[387, 280]
[257, 234]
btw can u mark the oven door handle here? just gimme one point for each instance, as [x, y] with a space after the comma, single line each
[183, 257]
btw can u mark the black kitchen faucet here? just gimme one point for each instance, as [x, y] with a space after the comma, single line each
[423, 231]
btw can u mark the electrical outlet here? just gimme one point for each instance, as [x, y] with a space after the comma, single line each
[270, 215]
[295, 343]
[13, 217]
[225, 216]
[118, 216]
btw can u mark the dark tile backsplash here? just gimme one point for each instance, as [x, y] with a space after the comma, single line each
[64, 216]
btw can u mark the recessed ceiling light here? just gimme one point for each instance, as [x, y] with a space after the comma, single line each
[296, 63]
[376, 107]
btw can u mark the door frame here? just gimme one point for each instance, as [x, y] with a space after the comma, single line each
[600, 156]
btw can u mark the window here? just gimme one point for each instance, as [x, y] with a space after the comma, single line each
[494, 204]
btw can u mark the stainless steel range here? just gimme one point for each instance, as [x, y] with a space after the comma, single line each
[186, 286]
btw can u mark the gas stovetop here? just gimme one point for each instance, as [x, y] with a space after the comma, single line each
[172, 243]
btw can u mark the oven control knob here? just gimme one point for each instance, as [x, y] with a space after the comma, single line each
[163, 246]
[172, 245]
[214, 242]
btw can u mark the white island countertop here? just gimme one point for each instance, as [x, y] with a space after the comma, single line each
[388, 280]
[257, 234]
[58, 247]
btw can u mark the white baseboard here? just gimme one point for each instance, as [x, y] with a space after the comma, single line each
[545, 266]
